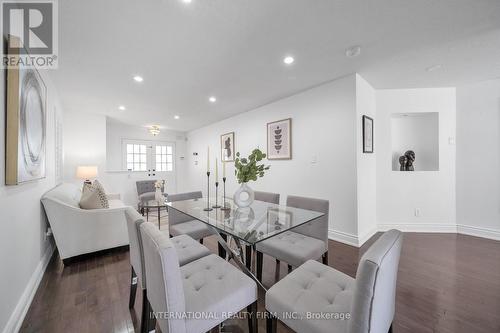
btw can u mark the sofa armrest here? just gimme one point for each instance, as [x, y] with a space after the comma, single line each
[78, 231]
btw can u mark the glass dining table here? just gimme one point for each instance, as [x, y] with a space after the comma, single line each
[245, 226]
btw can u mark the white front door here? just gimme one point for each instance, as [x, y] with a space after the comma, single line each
[151, 160]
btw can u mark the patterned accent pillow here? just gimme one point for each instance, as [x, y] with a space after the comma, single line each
[98, 185]
[93, 196]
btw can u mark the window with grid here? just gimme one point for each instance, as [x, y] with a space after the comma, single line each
[136, 157]
[164, 158]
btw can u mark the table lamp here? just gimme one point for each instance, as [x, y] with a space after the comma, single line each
[86, 173]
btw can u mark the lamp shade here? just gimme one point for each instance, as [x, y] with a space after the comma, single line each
[86, 172]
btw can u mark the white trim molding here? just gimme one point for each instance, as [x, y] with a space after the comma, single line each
[420, 227]
[479, 231]
[343, 237]
[350, 239]
[362, 239]
[16, 318]
[450, 228]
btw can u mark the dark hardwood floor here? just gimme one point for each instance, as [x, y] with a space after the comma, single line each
[446, 283]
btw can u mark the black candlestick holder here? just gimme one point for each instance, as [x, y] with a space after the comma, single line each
[208, 193]
[224, 207]
[216, 195]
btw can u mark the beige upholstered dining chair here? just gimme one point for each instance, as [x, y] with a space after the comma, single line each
[267, 197]
[182, 224]
[362, 305]
[187, 250]
[296, 246]
[208, 288]
[146, 191]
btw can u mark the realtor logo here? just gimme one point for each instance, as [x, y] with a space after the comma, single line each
[30, 30]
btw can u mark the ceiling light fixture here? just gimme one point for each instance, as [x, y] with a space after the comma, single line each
[434, 68]
[122, 108]
[212, 99]
[155, 130]
[176, 117]
[353, 51]
[288, 60]
[138, 78]
[186, 1]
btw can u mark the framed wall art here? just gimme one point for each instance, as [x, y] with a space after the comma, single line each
[367, 134]
[279, 140]
[26, 119]
[227, 147]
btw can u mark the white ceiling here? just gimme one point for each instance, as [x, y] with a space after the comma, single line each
[233, 49]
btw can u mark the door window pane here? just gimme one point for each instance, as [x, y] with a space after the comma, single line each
[164, 158]
[136, 157]
[139, 158]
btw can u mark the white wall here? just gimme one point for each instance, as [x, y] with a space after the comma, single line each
[92, 139]
[366, 163]
[116, 132]
[323, 144]
[24, 249]
[84, 143]
[124, 182]
[418, 132]
[431, 192]
[478, 159]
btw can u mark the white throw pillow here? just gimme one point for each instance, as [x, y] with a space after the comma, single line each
[93, 196]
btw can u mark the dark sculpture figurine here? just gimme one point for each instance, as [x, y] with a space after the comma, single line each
[406, 161]
[402, 163]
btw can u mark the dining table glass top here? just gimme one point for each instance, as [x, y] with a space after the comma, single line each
[253, 224]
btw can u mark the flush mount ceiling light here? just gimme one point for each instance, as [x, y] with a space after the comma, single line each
[288, 60]
[212, 99]
[353, 51]
[155, 130]
[176, 117]
[138, 78]
[434, 68]
[122, 108]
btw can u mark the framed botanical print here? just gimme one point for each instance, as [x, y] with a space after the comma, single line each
[279, 140]
[367, 134]
[227, 147]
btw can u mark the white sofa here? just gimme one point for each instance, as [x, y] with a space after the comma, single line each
[79, 231]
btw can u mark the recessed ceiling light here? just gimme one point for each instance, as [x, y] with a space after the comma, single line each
[176, 117]
[212, 99]
[122, 108]
[186, 1]
[288, 60]
[353, 51]
[138, 78]
[434, 68]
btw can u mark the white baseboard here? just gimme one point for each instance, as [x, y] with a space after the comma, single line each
[479, 232]
[16, 318]
[343, 237]
[366, 236]
[420, 227]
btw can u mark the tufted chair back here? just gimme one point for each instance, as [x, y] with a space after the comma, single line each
[267, 197]
[316, 229]
[175, 216]
[375, 291]
[134, 221]
[163, 276]
[145, 186]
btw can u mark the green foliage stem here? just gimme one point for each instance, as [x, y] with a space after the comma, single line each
[247, 169]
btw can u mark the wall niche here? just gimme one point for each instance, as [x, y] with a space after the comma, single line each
[418, 132]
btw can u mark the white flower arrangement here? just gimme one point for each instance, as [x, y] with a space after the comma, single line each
[159, 184]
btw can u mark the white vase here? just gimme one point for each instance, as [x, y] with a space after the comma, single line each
[244, 196]
[158, 195]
